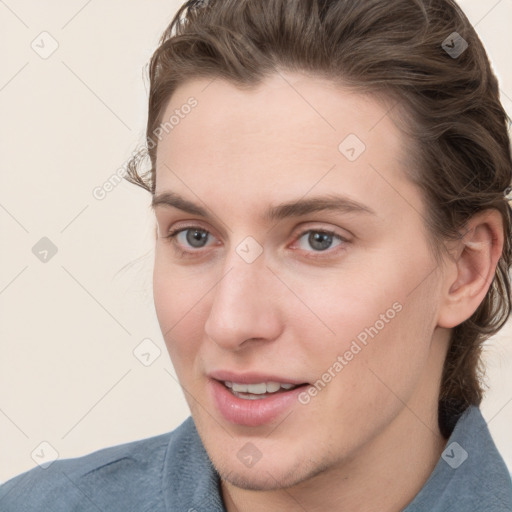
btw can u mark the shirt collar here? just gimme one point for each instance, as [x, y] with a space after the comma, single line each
[189, 479]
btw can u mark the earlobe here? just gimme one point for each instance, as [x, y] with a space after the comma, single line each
[474, 266]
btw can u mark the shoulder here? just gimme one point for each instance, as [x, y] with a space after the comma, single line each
[123, 477]
[471, 474]
[475, 466]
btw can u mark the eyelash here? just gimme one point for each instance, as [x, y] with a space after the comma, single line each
[171, 237]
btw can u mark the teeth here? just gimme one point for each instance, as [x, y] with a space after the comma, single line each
[271, 387]
[258, 389]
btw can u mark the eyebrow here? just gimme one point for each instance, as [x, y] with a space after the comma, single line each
[295, 208]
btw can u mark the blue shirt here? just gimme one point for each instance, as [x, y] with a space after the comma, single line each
[172, 472]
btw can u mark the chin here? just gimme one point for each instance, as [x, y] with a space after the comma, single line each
[250, 482]
[260, 481]
[268, 477]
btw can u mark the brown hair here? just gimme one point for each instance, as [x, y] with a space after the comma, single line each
[405, 50]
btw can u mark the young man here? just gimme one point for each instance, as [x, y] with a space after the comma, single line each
[333, 240]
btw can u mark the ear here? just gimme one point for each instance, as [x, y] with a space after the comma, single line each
[471, 268]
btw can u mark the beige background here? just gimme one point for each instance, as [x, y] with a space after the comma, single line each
[68, 374]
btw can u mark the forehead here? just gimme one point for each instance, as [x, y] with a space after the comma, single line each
[289, 134]
[311, 110]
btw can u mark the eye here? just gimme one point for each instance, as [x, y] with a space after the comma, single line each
[193, 237]
[319, 240]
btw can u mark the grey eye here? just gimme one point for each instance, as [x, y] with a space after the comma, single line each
[318, 240]
[196, 238]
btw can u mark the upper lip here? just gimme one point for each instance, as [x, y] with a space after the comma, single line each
[252, 377]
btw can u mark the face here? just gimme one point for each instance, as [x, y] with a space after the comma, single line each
[293, 280]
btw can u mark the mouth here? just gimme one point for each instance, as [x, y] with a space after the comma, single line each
[253, 399]
[259, 390]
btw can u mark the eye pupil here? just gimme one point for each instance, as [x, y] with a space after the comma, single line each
[324, 240]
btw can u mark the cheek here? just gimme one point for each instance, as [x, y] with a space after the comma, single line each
[179, 304]
[391, 363]
[381, 321]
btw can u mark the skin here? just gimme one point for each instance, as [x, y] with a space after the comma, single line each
[296, 308]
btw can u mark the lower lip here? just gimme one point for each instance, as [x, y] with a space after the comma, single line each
[252, 413]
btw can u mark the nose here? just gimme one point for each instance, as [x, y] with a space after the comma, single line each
[245, 305]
